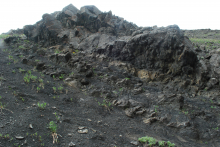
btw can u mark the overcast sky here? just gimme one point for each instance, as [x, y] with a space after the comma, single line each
[187, 14]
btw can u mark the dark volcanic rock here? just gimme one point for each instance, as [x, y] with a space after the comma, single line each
[63, 57]
[153, 73]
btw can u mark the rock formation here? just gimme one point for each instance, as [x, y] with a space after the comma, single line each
[158, 64]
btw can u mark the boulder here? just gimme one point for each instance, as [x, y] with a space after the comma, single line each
[93, 11]
[70, 9]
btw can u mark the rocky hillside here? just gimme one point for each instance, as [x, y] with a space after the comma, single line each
[88, 78]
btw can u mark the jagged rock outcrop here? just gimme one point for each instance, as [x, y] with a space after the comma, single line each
[89, 18]
[154, 52]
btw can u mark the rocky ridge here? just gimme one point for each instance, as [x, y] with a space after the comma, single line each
[152, 74]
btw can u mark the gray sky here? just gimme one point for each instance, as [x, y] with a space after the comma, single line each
[187, 14]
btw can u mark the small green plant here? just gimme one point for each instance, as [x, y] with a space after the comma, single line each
[57, 51]
[170, 144]
[22, 99]
[54, 76]
[161, 143]
[15, 61]
[6, 136]
[127, 78]
[150, 140]
[61, 76]
[41, 80]
[215, 128]
[10, 57]
[21, 47]
[21, 56]
[2, 78]
[13, 71]
[41, 106]
[53, 127]
[120, 89]
[38, 89]
[115, 92]
[21, 70]
[60, 89]
[40, 139]
[155, 109]
[105, 104]
[213, 107]
[57, 117]
[29, 72]
[71, 73]
[27, 41]
[54, 89]
[26, 78]
[186, 112]
[33, 78]
[211, 101]
[9, 63]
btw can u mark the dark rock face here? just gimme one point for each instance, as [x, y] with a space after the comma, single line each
[50, 28]
[154, 52]
[163, 49]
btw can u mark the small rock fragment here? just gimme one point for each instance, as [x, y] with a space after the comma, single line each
[80, 128]
[84, 131]
[150, 120]
[146, 121]
[71, 144]
[134, 142]
[30, 126]
[19, 137]
[69, 134]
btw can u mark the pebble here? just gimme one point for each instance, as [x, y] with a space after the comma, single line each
[30, 126]
[84, 131]
[19, 137]
[134, 142]
[69, 134]
[71, 144]
[80, 128]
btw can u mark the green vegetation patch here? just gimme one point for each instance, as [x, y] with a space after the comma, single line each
[152, 141]
[203, 41]
[3, 36]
